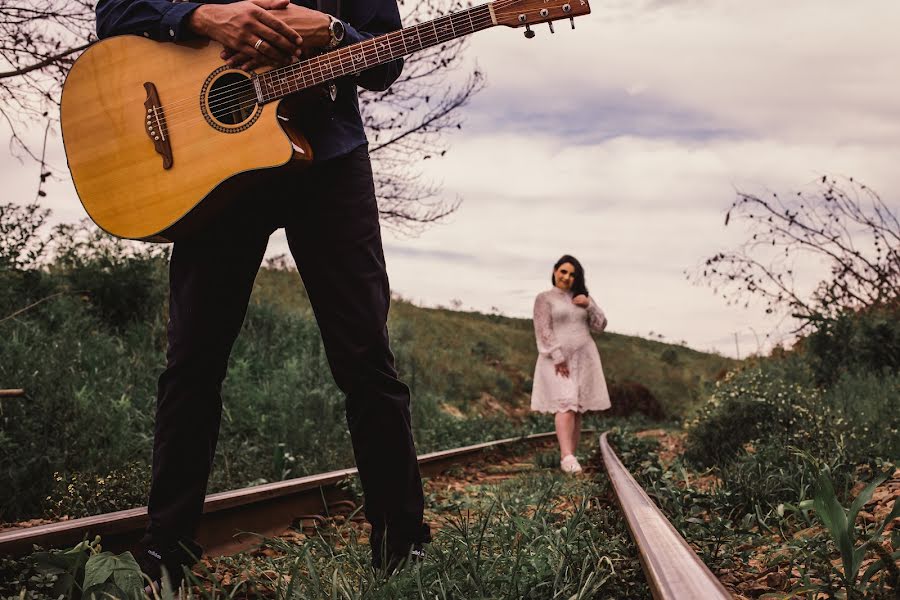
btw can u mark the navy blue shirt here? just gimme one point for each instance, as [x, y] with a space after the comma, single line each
[332, 128]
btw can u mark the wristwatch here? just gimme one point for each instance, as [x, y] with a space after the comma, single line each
[335, 32]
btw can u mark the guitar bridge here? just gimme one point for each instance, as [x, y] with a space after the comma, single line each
[156, 125]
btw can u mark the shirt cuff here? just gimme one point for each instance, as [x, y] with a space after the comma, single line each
[351, 35]
[557, 356]
[174, 27]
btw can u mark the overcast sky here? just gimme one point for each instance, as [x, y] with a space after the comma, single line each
[623, 142]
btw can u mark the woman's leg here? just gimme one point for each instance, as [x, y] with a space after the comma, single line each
[564, 423]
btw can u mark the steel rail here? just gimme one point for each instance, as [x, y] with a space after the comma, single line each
[229, 517]
[673, 569]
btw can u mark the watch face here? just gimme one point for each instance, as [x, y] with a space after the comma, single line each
[337, 29]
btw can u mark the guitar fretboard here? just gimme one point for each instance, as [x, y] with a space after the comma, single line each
[277, 83]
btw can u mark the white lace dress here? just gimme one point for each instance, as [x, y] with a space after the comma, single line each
[563, 333]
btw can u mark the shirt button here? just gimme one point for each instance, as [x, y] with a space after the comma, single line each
[171, 32]
[146, 34]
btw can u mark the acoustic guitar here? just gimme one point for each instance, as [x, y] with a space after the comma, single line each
[159, 136]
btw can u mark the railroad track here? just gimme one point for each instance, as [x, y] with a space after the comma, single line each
[265, 510]
[672, 569]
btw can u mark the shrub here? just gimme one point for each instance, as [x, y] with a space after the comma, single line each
[867, 340]
[84, 494]
[629, 398]
[773, 401]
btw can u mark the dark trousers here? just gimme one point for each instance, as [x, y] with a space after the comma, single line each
[330, 215]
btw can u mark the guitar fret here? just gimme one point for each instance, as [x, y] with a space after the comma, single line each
[374, 51]
[419, 37]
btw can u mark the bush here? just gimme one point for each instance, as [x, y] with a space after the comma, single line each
[867, 340]
[771, 401]
[630, 398]
[123, 282]
[776, 403]
[84, 494]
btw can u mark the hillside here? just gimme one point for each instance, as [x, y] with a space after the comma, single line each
[89, 361]
[481, 363]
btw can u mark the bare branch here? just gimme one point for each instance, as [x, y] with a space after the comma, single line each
[43, 63]
[409, 123]
[841, 222]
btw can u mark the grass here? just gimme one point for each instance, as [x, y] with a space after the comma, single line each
[537, 535]
[508, 529]
[90, 354]
[485, 362]
[769, 523]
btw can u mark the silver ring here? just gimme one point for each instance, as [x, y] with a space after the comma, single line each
[258, 44]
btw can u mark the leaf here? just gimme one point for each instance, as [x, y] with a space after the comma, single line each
[806, 505]
[863, 497]
[895, 512]
[71, 562]
[875, 567]
[122, 571]
[99, 569]
[127, 575]
[103, 591]
[835, 519]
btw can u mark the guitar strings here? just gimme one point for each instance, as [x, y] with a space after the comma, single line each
[318, 61]
[499, 4]
[317, 69]
[246, 96]
[241, 95]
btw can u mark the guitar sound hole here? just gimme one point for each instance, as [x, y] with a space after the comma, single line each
[232, 99]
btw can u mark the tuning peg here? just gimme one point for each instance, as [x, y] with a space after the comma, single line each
[572, 21]
[550, 25]
[528, 32]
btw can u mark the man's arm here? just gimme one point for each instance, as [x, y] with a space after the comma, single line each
[248, 26]
[312, 26]
[386, 18]
[160, 20]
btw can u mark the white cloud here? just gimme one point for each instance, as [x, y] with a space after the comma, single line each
[622, 142]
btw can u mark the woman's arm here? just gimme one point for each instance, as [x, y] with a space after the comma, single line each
[547, 344]
[596, 317]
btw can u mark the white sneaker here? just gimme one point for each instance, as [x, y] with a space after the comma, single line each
[569, 464]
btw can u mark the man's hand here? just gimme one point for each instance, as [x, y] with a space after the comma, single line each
[581, 300]
[253, 34]
[562, 369]
[311, 25]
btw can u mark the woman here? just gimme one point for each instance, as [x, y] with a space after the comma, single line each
[568, 377]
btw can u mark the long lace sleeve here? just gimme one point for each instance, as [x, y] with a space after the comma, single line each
[596, 318]
[543, 331]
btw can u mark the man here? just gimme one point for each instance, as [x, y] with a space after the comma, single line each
[330, 216]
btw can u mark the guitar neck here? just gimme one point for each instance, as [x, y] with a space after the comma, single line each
[278, 83]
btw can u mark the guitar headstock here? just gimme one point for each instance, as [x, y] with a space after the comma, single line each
[525, 13]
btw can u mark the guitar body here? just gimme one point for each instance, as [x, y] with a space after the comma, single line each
[153, 162]
[160, 136]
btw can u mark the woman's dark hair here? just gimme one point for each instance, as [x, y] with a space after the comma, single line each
[578, 286]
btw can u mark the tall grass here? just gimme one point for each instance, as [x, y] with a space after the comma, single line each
[82, 329]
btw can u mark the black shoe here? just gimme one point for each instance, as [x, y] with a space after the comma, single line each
[393, 554]
[397, 561]
[156, 559]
